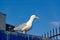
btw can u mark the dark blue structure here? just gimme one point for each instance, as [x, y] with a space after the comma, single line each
[17, 36]
[3, 35]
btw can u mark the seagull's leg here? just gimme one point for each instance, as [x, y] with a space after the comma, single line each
[23, 32]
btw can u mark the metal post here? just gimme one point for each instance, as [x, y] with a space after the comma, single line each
[47, 34]
[56, 34]
[50, 33]
[7, 35]
[53, 34]
[28, 36]
[42, 35]
[59, 30]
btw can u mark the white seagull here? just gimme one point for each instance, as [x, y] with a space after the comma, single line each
[28, 25]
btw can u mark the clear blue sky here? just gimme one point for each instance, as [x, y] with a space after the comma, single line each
[19, 11]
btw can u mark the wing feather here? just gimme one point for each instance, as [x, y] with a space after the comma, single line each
[20, 27]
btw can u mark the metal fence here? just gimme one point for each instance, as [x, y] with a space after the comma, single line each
[54, 34]
[17, 36]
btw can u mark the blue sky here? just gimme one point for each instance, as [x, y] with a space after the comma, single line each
[19, 11]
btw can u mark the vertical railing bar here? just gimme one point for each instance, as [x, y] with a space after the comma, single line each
[47, 34]
[42, 35]
[59, 30]
[56, 34]
[50, 33]
[53, 34]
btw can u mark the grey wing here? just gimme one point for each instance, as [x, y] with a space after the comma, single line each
[21, 26]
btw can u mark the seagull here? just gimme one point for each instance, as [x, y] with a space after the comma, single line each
[28, 25]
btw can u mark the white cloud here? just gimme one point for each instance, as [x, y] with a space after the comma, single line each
[56, 24]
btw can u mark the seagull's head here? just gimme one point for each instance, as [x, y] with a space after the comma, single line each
[35, 17]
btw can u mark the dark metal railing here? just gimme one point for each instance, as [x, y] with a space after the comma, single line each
[54, 33]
